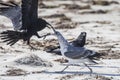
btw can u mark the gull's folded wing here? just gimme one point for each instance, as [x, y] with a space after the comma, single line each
[78, 53]
[75, 54]
[13, 12]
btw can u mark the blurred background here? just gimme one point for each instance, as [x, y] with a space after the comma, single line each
[99, 18]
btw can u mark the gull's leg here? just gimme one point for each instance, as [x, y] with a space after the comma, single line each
[88, 68]
[63, 69]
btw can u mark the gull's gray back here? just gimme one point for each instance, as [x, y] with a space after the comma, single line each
[78, 52]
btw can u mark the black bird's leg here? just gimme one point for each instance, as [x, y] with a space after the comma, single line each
[31, 47]
[44, 36]
[37, 35]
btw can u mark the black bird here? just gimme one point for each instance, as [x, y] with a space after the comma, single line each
[25, 21]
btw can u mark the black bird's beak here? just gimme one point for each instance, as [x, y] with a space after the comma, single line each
[48, 26]
[51, 27]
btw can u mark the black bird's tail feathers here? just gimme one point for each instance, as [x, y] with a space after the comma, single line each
[11, 37]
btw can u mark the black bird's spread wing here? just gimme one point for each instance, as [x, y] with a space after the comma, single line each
[29, 13]
[11, 37]
[13, 12]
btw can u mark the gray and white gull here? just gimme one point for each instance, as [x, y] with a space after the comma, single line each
[74, 54]
[80, 41]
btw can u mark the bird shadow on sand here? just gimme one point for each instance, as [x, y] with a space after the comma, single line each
[75, 72]
[88, 72]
